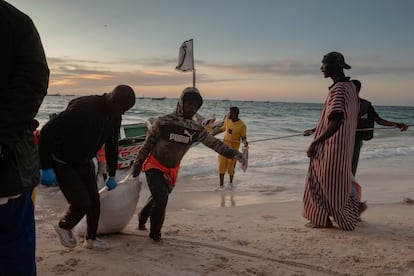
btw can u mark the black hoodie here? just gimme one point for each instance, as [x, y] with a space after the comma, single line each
[24, 78]
[76, 134]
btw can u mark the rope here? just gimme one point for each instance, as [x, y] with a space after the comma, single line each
[301, 134]
[271, 138]
[376, 128]
[276, 138]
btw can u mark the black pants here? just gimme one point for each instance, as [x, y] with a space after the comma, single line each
[355, 155]
[78, 185]
[157, 203]
[145, 212]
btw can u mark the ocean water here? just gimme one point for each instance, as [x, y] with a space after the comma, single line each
[278, 165]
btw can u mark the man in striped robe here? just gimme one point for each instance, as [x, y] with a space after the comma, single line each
[328, 182]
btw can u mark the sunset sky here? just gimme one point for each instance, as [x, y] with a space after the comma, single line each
[249, 50]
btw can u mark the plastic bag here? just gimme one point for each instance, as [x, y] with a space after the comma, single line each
[117, 207]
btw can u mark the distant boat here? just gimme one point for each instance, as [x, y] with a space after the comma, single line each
[158, 99]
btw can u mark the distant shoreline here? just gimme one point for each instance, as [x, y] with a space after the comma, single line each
[225, 100]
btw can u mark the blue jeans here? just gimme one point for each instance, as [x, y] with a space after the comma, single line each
[17, 237]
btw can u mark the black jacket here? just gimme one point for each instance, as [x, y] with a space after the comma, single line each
[76, 134]
[24, 77]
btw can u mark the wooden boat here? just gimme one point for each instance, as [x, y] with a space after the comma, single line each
[131, 138]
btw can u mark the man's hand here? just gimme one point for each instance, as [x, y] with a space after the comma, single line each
[111, 183]
[402, 127]
[309, 132]
[136, 170]
[240, 157]
[311, 150]
[48, 177]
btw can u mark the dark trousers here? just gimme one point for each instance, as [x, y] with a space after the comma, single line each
[145, 212]
[355, 155]
[157, 203]
[78, 185]
[17, 237]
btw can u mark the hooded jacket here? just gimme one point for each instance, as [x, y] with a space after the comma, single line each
[171, 136]
[76, 134]
[24, 78]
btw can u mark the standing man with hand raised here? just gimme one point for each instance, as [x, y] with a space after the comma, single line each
[234, 131]
[68, 142]
[366, 119]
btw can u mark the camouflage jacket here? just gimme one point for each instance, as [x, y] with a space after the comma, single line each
[171, 136]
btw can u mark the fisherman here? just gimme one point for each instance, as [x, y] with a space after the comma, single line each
[68, 142]
[328, 181]
[167, 141]
[24, 79]
[367, 117]
[234, 131]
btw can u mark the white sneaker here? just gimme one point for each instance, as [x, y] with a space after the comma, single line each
[220, 188]
[95, 244]
[66, 237]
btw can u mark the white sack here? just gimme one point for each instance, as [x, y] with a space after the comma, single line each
[117, 207]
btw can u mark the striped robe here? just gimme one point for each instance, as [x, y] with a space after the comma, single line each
[328, 182]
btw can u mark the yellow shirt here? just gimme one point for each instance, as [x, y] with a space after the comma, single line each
[234, 132]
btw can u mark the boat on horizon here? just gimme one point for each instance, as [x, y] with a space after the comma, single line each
[158, 98]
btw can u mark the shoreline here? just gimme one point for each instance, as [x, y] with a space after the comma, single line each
[259, 238]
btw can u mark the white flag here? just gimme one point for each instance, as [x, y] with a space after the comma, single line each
[185, 56]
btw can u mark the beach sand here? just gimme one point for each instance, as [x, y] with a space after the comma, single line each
[232, 233]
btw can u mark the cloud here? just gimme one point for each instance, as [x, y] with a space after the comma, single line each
[89, 76]
[371, 65]
[92, 76]
[86, 75]
[277, 68]
[381, 65]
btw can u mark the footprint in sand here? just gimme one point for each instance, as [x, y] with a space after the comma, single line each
[268, 217]
[408, 201]
[241, 242]
[68, 266]
[410, 265]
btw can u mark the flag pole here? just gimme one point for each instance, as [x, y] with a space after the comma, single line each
[194, 78]
[194, 75]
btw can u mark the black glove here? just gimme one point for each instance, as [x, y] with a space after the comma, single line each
[136, 170]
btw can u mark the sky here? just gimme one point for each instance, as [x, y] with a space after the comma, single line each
[264, 50]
